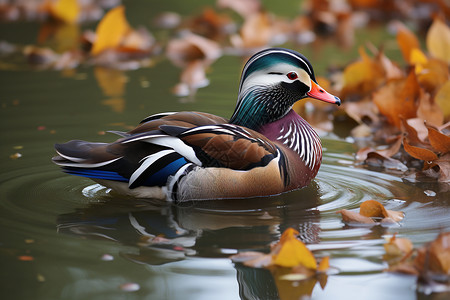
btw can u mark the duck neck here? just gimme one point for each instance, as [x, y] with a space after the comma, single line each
[296, 134]
[257, 107]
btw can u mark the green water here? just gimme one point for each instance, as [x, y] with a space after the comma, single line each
[56, 229]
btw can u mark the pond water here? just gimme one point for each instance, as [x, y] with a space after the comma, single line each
[64, 237]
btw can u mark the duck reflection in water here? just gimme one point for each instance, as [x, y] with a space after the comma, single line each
[162, 233]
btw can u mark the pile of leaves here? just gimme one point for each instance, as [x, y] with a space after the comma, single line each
[405, 110]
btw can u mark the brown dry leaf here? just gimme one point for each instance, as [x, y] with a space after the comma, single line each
[442, 99]
[360, 110]
[438, 40]
[419, 153]
[444, 168]
[439, 141]
[397, 99]
[243, 7]
[435, 256]
[372, 209]
[256, 31]
[350, 217]
[192, 47]
[378, 160]
[210, 24]
[392, 149]
[416, 131]
[428, 110]
[111, 30]
[398, 246]
[407, 41]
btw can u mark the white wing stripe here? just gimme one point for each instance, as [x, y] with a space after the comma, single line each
[147, 162]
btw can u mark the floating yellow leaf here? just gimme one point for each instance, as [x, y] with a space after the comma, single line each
[111, 30]
[293, 252]
[65, 10]
[438, 40]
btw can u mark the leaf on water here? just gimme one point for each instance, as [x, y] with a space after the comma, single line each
[324, 264]
[419, 153]
[398, 246]
[438, 40]
[351, 217]
[438, 252]
[192, 47]
[111, 30]
[372, 209]
[65, 10]
[377, 159]
[439, 141]
[407, 41]
[293, 252]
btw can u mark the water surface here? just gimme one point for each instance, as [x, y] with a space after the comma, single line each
[64, 237]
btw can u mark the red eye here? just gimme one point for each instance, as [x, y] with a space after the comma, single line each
[292, 75]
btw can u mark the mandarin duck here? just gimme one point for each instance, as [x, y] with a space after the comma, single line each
[265, 148]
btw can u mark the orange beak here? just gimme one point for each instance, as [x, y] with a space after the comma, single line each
[319, 93]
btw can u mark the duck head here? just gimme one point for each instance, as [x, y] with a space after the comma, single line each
[271, 82]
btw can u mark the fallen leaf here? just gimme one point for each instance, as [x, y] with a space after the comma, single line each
[438, 40]
[397, 99]
[65, 10]
[428, 110]
[372, 209]
[439, 141]
[439, 254]
[191, 47]
[407, 41]
[257, 31]
[350, 217]
[363, 76]
[324, 264]
[441, 99]
[111, 30]
[398, 246]
[419, 153]
[293, 252]
[243, 7]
